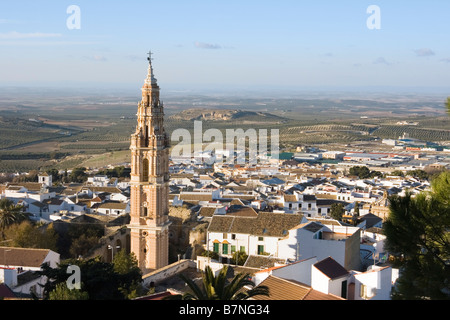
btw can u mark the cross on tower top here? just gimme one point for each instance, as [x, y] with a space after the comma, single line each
[150, 56]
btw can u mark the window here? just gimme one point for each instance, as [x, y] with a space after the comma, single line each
[344, 289]
[145, 170]
[216, 247]
[260, 249]
[233, 249]
[225, 248]
[367, 292]
[233, 236]
[260, 238]
[242, 249]
[363, 291]
[290, 206]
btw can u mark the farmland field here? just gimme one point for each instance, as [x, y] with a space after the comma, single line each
[67, 129]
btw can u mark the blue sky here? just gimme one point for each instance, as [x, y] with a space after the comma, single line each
[226, 44]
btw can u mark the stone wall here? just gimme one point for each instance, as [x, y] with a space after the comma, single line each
[169, 271]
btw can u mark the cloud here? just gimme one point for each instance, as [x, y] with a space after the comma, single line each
[133, 57]
[96, 58]
[203, 45]
[446, 60]
[424, 52]
[381, 60]
[33, 35]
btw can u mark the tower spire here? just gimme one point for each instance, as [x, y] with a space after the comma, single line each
[150, 77]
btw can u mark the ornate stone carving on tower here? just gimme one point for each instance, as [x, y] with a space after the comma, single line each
[149, 198]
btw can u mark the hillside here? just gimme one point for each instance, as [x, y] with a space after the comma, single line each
[224, 115]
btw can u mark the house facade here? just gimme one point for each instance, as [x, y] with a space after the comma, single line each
[286, 236]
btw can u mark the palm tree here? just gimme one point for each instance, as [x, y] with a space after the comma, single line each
[219, 288]
[9, 214]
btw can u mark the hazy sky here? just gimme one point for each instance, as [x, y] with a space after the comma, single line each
[226, 43]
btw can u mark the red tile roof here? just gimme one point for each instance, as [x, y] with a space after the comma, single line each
[283, 289]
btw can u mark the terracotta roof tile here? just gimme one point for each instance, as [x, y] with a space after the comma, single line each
[26, 257]
[264, 224]
[282, 289]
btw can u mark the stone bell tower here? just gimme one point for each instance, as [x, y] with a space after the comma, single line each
[149, 198]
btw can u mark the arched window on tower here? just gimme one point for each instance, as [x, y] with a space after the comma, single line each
[145, 170]
[146, 137]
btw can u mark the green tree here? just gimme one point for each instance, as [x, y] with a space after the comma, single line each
[337, 210]
[418, 173]
[81, 245]
[78, 175]
[220, 288]
[447, 104]
[239, 257]
[10, 213]
[98, 279]
[374, 174]
[398, 173]
[211, 254]
[361, 171]
[62, 292]
[126, 266]
[55, 174]
[70, 247]
[441, 188]
[28, 235]
[417, 237]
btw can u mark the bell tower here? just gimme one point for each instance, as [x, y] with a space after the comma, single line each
[149, 194]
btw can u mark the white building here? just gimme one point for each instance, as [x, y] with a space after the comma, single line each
[286, 236]
[314, 239]
[329, 277]
[18, 266]
[299, 271]
[113, 208]
[374, 284]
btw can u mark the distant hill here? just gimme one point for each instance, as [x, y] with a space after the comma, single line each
[225, 115]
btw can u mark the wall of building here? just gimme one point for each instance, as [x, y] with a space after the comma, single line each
[377, 282]
[298, 271]
[166, 272]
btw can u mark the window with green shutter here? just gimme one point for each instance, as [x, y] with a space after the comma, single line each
[260, 249]
[216, 247]
[225, 248]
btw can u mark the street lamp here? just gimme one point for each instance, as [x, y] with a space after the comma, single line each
[112, 251]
